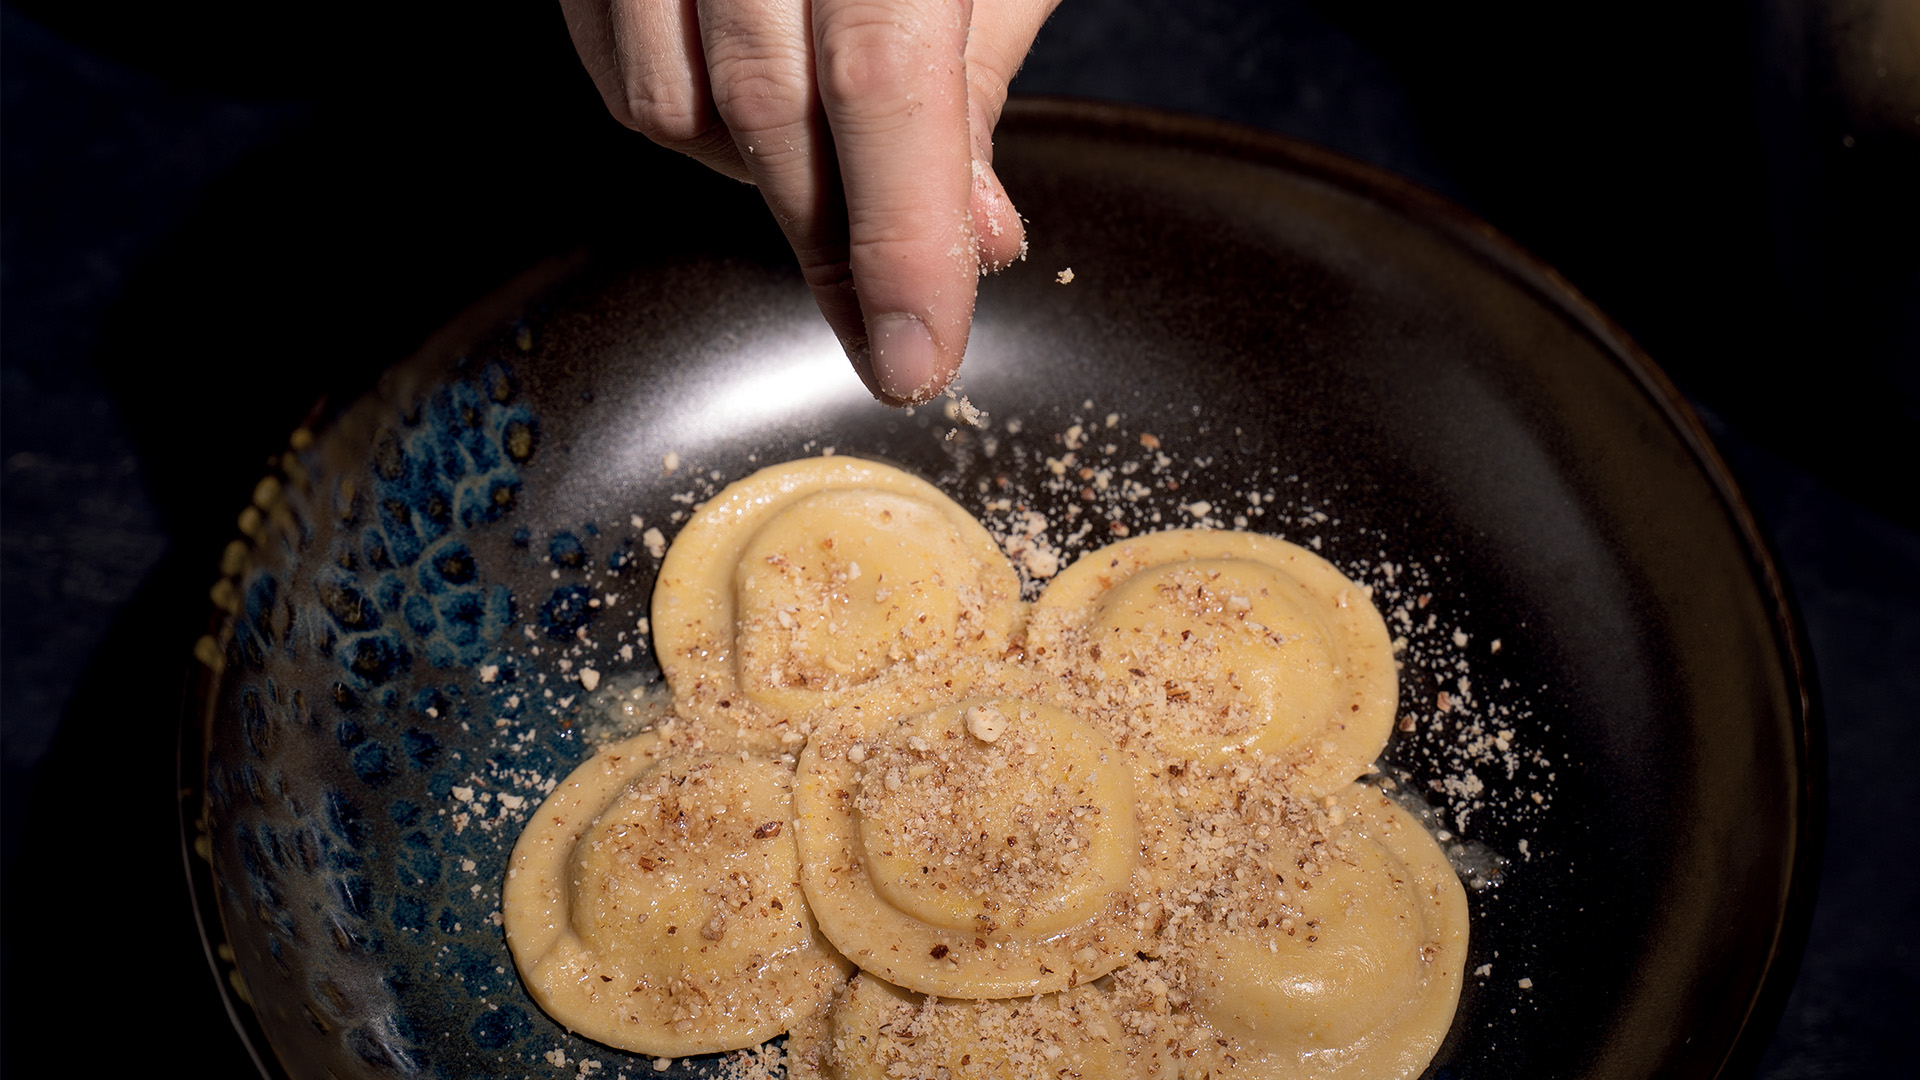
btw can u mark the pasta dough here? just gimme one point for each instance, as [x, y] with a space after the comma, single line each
[1234, 642]
[654, 903]
[983, 849]
[1353, 973]
[1115, 836]
[808, 582]
[877, 1031]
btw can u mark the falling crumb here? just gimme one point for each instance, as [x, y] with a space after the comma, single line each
[960, 410]
[589, 679]
[671, 463]
[1495, 647]
[1064, 277]
[489, 672]
[656, 543]
[1526, 984]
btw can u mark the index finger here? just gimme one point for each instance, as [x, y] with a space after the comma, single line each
[893, 83]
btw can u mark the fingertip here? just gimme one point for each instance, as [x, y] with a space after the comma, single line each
[906, 363]
[910, 370]
[999, 235]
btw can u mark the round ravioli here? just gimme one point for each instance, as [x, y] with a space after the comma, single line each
[809, 581]
[877, 1031]
[982, 849]
[1353, 972]
[654, 903]
[1224, 642]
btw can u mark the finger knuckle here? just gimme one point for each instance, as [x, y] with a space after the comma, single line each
[904, 238]
[866, 55]
[826, 269]
[761, 89]
[986, 96]
[668, 111]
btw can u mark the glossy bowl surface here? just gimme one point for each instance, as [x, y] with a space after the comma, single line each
[1603, 686]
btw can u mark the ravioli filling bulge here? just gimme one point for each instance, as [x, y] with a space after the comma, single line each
[671, 921]
[845, 584]
[1032, 826]
[1231, 640]
[985, 848]
[1117, 836]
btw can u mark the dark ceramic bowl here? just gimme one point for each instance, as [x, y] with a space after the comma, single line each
[1602, 692]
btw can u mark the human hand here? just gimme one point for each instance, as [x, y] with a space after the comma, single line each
[868, 127]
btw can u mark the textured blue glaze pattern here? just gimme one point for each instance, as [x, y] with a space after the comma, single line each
[354, 858]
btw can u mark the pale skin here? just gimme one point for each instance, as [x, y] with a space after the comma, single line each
[868, 127]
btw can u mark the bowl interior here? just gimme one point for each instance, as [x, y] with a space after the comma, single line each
[1606, 713]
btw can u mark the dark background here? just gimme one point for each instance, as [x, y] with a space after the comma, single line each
[214, 214]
